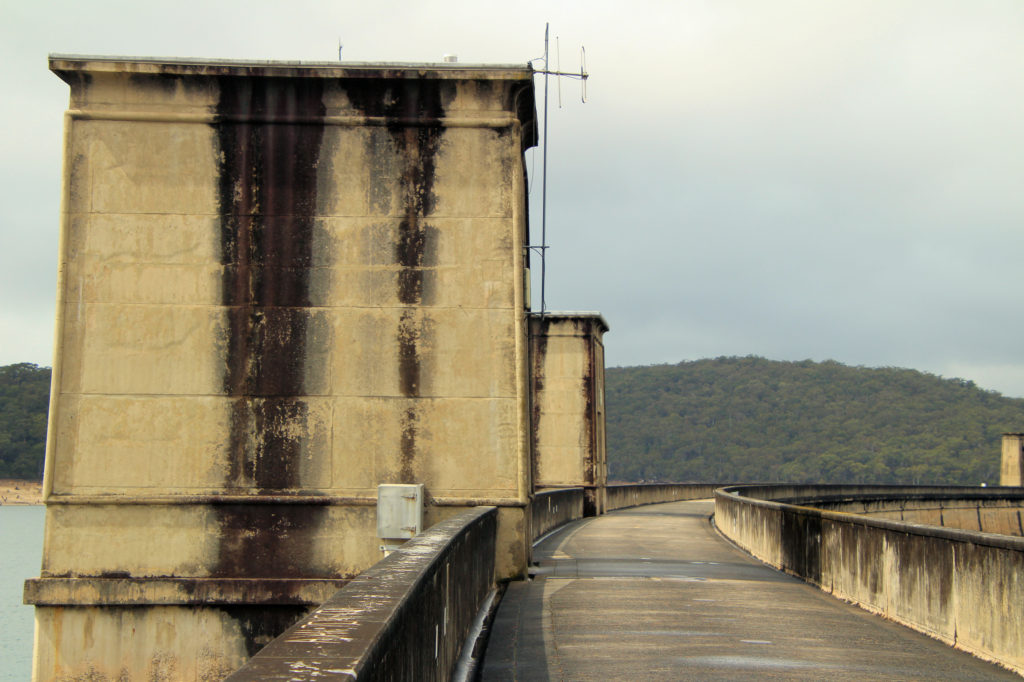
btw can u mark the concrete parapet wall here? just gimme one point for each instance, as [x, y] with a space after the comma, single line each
[553, 508]
[796, 493]
[1002, 514]
[989, 510]
[405, 618]
[622, 496]
[557, 506]
[963, 587]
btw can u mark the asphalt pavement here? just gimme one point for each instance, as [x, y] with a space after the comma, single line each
[655, 593]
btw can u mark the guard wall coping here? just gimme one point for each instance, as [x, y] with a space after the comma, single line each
[805, 507]
[406, 617]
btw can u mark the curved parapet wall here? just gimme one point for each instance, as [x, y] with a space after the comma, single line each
[632, 495]
[553, 508]
[405, 618]
[965, 588]
[994, 510]
[557, 506]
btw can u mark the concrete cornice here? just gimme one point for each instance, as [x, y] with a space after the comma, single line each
[68, 63]
[573, 315]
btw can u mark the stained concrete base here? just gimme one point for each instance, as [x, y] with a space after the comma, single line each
[654, 593]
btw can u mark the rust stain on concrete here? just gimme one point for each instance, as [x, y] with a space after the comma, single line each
[267, 202]
[414, 149]
[540, 329]
[409, 330]
[589, 386]
[267, 191]
[407, 450]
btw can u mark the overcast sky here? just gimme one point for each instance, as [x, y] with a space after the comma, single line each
[827, 180]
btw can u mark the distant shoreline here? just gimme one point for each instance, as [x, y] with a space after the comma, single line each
[15, 492]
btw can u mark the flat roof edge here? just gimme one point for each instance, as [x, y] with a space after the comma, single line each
[59, 62]
[572, 315]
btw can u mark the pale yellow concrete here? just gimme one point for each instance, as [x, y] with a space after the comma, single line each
[158, 643]
[274, 296]
[569, 425]
[479, 467]
[987, 515]
[1012, 469]
[142, 351]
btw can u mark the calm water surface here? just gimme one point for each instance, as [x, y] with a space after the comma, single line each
[21, 551]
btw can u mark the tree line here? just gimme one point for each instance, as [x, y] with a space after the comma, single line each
[24, 404]
[752, 419]
[722, 419]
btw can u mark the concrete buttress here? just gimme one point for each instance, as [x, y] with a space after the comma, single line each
[280, 285]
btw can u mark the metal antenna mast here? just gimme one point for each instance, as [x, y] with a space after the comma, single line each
[582, 75]
[544, 184]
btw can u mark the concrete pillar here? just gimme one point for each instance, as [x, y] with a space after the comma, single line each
[568, 430]
[280, 285]
[1012, 471]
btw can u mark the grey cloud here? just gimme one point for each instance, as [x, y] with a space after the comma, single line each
[790, 179]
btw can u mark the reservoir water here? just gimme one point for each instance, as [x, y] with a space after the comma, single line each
[21, 551]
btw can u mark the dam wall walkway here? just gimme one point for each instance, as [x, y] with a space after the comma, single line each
[655, 593]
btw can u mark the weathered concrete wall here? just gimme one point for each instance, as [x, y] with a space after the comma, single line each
[989, 510]
[558, 506]
[568, 424]
[280, 286]
[406, 618]
[133, 643]
[799, 493]
[622, 496]
[1011, 472]
[994, 511]
[553, 508]
[965, 588]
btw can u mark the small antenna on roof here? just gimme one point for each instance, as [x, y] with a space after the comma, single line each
[583, 74]
[558, 67]
[582, 77]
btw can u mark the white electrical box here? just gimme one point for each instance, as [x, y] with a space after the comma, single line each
[399, 511]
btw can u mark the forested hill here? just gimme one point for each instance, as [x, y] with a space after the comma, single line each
[24, 403]
[727, 419]
[751, 419]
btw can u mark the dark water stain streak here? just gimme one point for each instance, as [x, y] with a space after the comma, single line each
[267, 195]
[416, 148]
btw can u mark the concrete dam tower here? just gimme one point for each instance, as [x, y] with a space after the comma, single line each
[281, 285]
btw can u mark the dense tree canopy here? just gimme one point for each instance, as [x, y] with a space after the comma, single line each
[24, 402]
[751, 419]
[726, 419]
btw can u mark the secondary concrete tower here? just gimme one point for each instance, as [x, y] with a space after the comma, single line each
[281, 285]
[568, 425]
[1011, 472]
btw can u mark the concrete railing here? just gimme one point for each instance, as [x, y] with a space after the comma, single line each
[404, 618]
[798, 493]
[988, 510]
[963, 587]
[553, 508]
[635, 494]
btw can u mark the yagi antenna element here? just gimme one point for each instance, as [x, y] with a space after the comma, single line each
[582, 77]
